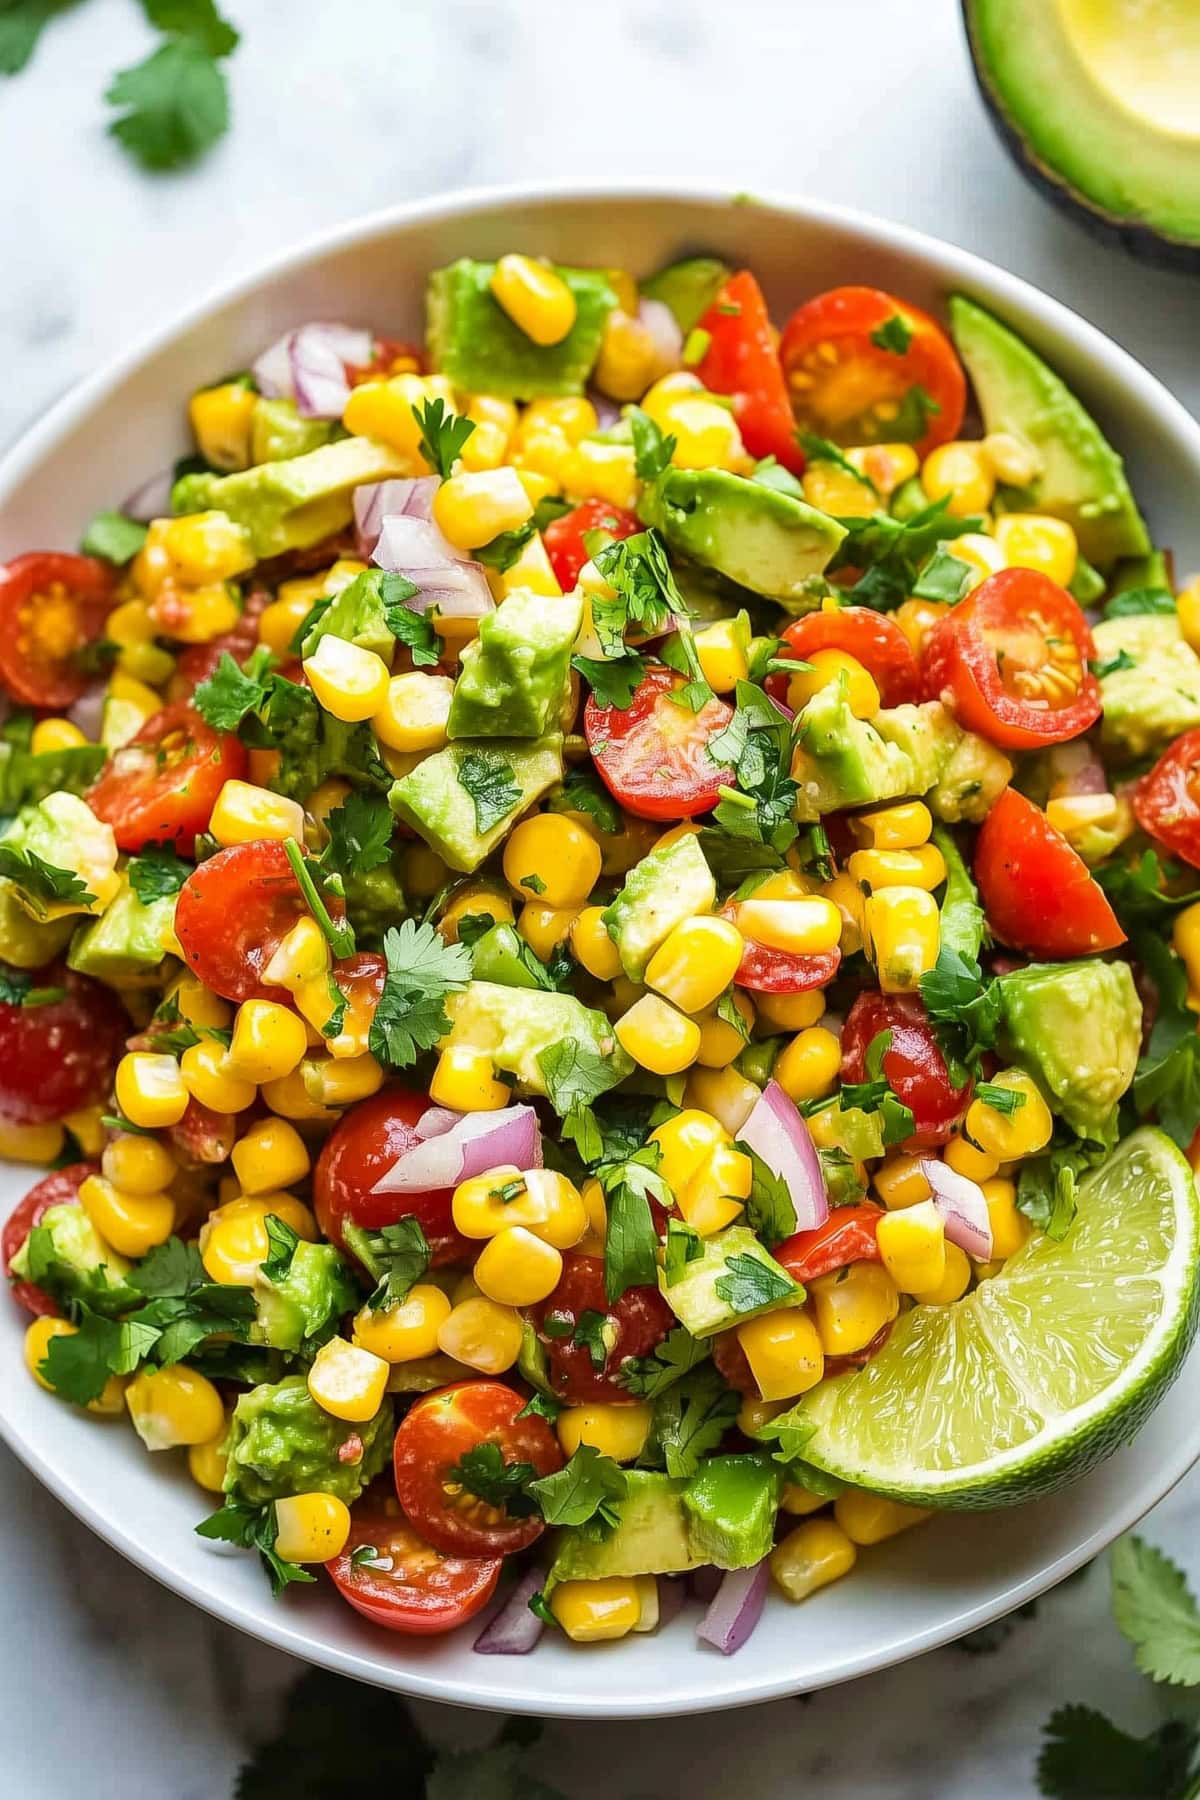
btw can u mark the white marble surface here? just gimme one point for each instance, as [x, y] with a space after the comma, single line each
[339, 110]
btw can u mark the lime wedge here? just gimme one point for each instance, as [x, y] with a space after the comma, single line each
[1044, 1370]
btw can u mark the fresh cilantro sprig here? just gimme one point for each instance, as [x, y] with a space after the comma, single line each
[254, 1528]
[690, 1419]
[770, 1209]
[112, 536]
[631, 1241]
[491, 782]
[483, 1471]
[749, 1284]
[443, 435]
[504, 550]
[1154, 1608]
[758, 744]
[157, 872]
[613, 682]
[42, 881]
[648, 1376]
[415, 631]
[890, 552]
[1166, 1083]
[396, 1256]
[963, 1009]
[645, 591]
[1145, 890]
[230, 692]
[895, 334]
[421, 971]
[584, 1493]
[339, 933]
[652, 448]
[360, 834]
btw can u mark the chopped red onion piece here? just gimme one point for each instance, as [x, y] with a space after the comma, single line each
[444, 578]
[672, 1592]
[309, 366]
[435, 1121]
[963, 1207]
[475, 1143]
[664, 330]
[736, 1609]
[88, 711]
[405, 497]
[514, 1630]
[608, 412]
[152, 500]
[272, 371]
[776, 1132]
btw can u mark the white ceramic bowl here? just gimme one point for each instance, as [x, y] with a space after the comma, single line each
[946, 1578]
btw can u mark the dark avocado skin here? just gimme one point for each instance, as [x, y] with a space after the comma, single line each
[1137, 240]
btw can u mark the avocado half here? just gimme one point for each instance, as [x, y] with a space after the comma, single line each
[1098, 102]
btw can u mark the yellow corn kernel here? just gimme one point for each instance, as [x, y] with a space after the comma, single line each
[616, 1431]
[270, 1155]
[87, 1128]
[628, 356]
[199, 1006]
[268, 1041]
[862, 695]
[196, 615]
[30, 1143]
[542, 1201]
[716, 1193]
[311, 1528]
[279, 622]
[471, 510]
[406, 1331]
[129, 624]
[722, 652]
[414, 712]
[132, 1223]
[208, 1462]
[601, 471]
[658, 1037]
[696, 962]
[1038, 541]
[341, 1080]
[55, 734]
[515, 1268]
[465, 1081]
[301, 958]
[886, 466]
[789, 1012]
[490, 409]
[809, 1067]
[290, 1099]
[804, 927]
[383, 410]
[917, 618]
[207, 1078]
[347, 1381]
[836, 491]
[800, 1501]
[535, 297]
[728, 1096]
[912, 1243]
[905, 825]
[784, 1352]
[685, 1144]
[147, 663]
[552, 859]
[544, 927]
[1187, 605]
[755, 1413]
[902, 936]
[591, 945]
[222, 420]
[1185, 936]
[982, 555]
[966, 1160]
[591, 1612]
[544, 453]
[474, 900]
[721, 1042]
[244, 813]
[1014, 461]
[486, 448]
[924, 867]
[1078, 816]
[150, 1090]
[852, 1306]
[954, 1283]
[37, 1342]
[706, 434]
[206, 547]
[482, 1334]
[349, 682]
[174, 1406]
[531, 571]
[1008, 1136]
[810, 1557]
[234, 1241]
[1010, 1228]
[870, 1518]
[962, 475]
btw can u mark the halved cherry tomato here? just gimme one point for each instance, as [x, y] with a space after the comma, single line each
[407, 1585]
[199, 661]
[733, 1363]
[653, 754]
[913, 1063]
[846, 1236]
[741, 360]
[766, 971]
[362, 1148]
[633, 1325]
[59, 1057]
[564, 536]
[392, 356]
[1037, 893]
[432, 1440]
[360, 978]
[1011, 662]
[233, 913]
[202, 1135]
[847, 384]
[60, 1188]
[1166, 802]
[51, 607]
[873, 639]
[161, 787]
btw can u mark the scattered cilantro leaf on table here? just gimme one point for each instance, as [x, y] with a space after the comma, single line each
[1155, 1609]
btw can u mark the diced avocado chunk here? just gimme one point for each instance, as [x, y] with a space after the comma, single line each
[1156, 700]
[305, 1304]
[1082, 478]
[29, 943]
[63, 831]
[731, 1503]
[65, 1254]
[514, 1026]
[1076, 1027]
[514, 676]
[844, 761]
[281, 1442]
[477, 346]
[126, 941]
[436, 802]
[970, 781]
[27, 776]
[357, 614]
[694, 1299]
[1141, 572]
[497, 957]
[290, 505]
[688, 287]
[651, 1537]
[753, 534]
[374, 900]
[278, 432]
[670, 885]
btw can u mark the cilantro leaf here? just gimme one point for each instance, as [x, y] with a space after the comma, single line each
[283, 1241]
[613, 683]
[41, 880]
[963, 1009]
[21, 25]
[407, 625]
[890, 551]
[1134, 601]
[749, 1284]
[670, 1361]
[1001, 1099]
[1086, 1757]
[945, 577]
[758, 743]
[483, 1471]
[254, 1528]
[443, 435]
[583, 792]
[1154, 1607]
[490, 780]
[1137, 891]
[78, 1366]
[591, 1334]
[1113, 665]
[230, 692]
[683, 1246]
[645, 591]
[504, 550]
[411, 1014]
[157, 872]
[338, 932]
[1047, 1185]
[112, 536]
[585, 1489]
[360, 834]
[575, 1074]
[17, 988]
[770, 1210]
[176, 104]
[820, 449]
[1167, 1080]
[198, 19]
[690, 1419]
[396, 1256]
[895, 334]
[652, 449]
[631, 1242]
[791, 1430]
[542, 1406]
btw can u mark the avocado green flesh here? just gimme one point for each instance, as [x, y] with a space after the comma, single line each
[432, 799]
[281, 1442]
[688, 288]
[668, 886]
[126, 941]
[1148, 706]
[514, 1026]
[514, 676]
[1102, 114]
[750, 532]
[474, 343]
[1076, 1027]
[291, 504]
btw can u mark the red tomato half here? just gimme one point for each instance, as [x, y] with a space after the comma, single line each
[873, 639]
[848, 384]
[741, 360]
[1037, 893]
[407, 1585]
[432, 1440]
[653, 754]
[233, 913]
[1167, 800]
[847, 1236]
[766, 971]
[1011, 662]
[913, 1063]
[362, 1147]
[56, 1058]
[51, 607]
[60, 1188]
[563, 537]
[161, 787]
[640, 1320]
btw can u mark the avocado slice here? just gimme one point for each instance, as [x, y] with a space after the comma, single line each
[63, 830]
[1083, 478]
[125, 943]
[1099, 115]
[1150, 704]
[433, 799]
[358, 615]
[515, 1025]
[670, 885]
[277, 431]
[29, 943]
[688, 287]
[474, 343]
[693, 1296]
[1076, 1027]
[752, 533]
[731, 1503]
[304, 1305]
[514, 675]
[292, 504]
[651, 1536]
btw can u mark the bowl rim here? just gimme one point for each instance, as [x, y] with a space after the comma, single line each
[956, 266]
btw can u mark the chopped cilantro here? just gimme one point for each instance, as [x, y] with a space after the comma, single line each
[483, 1471]
[283, 1241]
[683, 1246]
[114, 537]
[631, 1242]
[613, 682]
[491, 782]
[254, 1528]
[542, 1406]
[1001, 1099]
[895, 334]
[645, 592]
[157, 872]
[1141, 600]
[652, 449]
[415, 631]
[396, 1257]
[1167, 1081]
[230, 692]
[820, 449]
[945, 577]
[649, 1376]
[590, 1334]
[41, 880]
[421, 971]
[690, 1419]
[338, 932]
[770, 1210]
[360, 834]
[585, 1490]
[749, 1284]
[443, 435]
[1113, 665]
[574, 1074]
[504, 550]
[584, 792]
